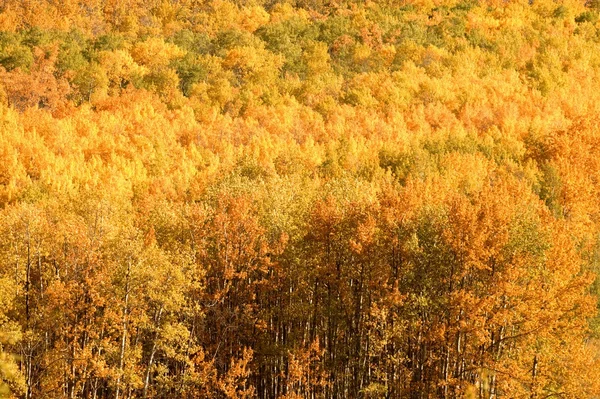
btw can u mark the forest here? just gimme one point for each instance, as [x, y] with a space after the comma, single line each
[299, 199]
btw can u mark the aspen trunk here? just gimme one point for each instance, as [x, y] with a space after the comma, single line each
[124, 332]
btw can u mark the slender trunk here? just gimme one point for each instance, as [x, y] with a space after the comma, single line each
[152, 352]
[533, 377]
[29, 355]
[187, 353]
[124, 333]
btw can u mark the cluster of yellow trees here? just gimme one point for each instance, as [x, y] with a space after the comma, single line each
[299, 199]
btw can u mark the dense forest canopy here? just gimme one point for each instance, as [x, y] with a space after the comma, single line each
[299, 199]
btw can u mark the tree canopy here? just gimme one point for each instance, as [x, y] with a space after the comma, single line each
[299, 199]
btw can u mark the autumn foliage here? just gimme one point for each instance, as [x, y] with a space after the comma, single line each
[299, 199]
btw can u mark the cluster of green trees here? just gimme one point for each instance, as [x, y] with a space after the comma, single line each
[298, 200]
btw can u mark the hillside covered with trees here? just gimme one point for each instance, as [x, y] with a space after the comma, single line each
[299, 199]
